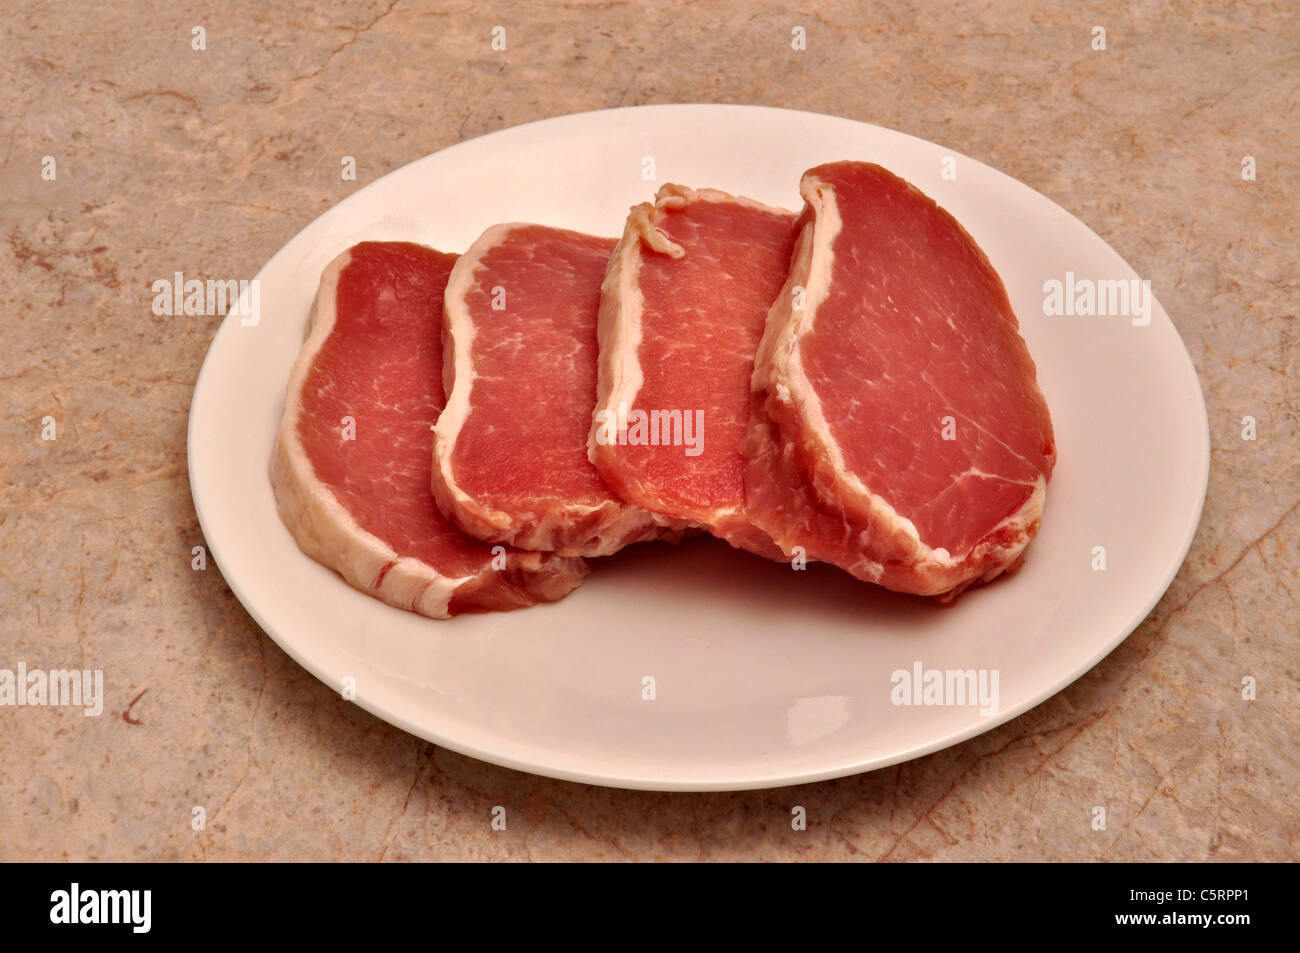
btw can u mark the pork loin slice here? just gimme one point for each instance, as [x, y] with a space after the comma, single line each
[682, 311]
[351, 464]
[897, 427]
[510, 453]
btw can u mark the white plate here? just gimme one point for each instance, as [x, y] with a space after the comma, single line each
[763, 676]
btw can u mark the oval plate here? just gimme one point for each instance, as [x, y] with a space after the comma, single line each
[763, 676]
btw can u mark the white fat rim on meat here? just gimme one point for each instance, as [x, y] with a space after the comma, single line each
[618, 326]
[622, 305]
[799, 392]
[460, 327]
[322, 527]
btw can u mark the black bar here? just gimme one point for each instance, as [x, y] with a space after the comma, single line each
[329, 903]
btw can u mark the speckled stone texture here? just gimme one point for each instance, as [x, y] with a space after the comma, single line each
[171, 159]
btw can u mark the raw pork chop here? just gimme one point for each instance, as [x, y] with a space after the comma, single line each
[898, 430]
[682, 311]
[351, 465]
[510, 454]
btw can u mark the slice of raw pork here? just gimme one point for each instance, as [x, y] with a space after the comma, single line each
[682, 311]
[898, 430]
[510, 454]
[351, 464]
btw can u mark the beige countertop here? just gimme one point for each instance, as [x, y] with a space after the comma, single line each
[206, 161]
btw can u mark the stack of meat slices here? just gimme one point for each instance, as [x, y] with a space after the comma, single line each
[846, 385]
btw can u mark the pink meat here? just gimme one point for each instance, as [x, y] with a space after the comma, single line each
[905, 338]
[683, 309]
[520, 374]
[371, 367]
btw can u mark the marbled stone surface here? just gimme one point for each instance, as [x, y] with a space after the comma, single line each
[174, 159]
